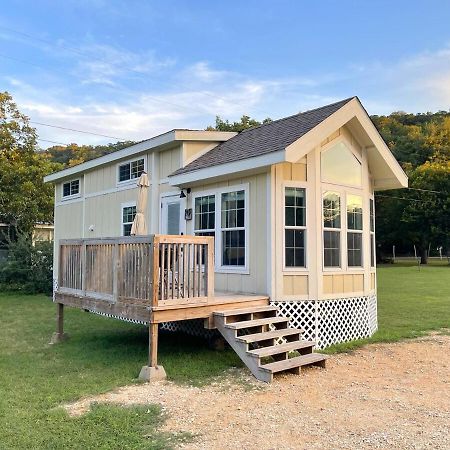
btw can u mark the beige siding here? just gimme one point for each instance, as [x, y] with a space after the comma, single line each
[169, 161]
[296, 285]
[103, 213]
[343, 283]
[192, 150]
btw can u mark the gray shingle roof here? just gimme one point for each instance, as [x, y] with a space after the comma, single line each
[264, 139]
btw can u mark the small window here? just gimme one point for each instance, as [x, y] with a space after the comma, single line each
[354, 212]
[354, 249]
[233, 228]
[332, 229]
[128, 214]
[205, 215]
[131, 170]
[354, 237]
[332, 248]
[71, 188]
[295, 226]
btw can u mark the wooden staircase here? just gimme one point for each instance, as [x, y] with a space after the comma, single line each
[264, 341]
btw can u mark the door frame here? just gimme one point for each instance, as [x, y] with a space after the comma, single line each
[171, 197]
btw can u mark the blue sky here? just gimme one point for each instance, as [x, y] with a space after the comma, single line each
[132, 69]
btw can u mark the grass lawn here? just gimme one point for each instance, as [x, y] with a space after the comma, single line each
[101, 354]
[35, 378]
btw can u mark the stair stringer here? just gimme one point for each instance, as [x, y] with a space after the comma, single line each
[241, 348]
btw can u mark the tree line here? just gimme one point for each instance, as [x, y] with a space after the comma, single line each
[417, 216]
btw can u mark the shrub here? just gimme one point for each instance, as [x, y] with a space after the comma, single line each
[28, 267]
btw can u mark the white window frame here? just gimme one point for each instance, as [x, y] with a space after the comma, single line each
[209, 230]
[372, 234]
[341, 230]
[348, 230]
[219, 268]
[349, 145]
[68, 197]
[122, 223]
[302, 185]
[129, 161]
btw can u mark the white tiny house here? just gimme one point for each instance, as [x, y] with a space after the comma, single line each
[290, 205]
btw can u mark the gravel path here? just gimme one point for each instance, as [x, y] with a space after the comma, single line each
[383, 396]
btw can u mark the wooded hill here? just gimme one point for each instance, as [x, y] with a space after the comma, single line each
[419, 215]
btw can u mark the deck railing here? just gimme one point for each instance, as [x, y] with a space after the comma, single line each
[157, 270]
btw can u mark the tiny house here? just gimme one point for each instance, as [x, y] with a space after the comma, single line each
[279, 218]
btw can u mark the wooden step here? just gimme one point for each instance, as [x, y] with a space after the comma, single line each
[281, 348]
[237, 312]
[279, 366]
[258, 337]
[256, 323]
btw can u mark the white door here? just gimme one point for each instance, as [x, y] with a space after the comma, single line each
[172, 215]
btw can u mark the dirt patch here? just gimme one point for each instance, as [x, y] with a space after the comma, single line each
[381, 396]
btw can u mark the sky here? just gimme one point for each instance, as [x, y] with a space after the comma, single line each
[130, 69]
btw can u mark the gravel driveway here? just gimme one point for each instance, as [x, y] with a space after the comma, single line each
[383, 396]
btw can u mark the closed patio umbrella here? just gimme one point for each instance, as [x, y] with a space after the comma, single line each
[139, 226]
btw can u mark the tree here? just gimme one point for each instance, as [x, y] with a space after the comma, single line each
[245, 123]
[24, 198]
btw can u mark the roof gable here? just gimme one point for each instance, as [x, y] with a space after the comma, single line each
[264, 139]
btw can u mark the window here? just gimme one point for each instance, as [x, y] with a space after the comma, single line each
[294, 226]
[340, 166]
[332, 229]
[372, 233]
[205, 215]
[355, 224]
[131, 170]
[128, 214]
[232, 221]
[71, 188]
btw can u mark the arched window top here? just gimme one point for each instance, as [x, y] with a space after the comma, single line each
[340, 166]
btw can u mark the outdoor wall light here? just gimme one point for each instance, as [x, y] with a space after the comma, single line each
[183, 195]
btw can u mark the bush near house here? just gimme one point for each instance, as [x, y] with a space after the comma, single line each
[28, 267]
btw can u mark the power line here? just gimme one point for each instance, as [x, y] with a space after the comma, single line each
[53, 142]
[77, 131]
[86, 55]
[401, 198]
[425, 190]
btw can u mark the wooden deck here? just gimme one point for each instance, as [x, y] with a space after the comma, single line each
[152, 279]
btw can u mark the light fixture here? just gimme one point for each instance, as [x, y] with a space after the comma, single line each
[183, 195]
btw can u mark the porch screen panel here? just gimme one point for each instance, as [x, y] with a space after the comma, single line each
[233, 228]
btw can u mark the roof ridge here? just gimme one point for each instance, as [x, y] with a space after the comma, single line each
[298, 114]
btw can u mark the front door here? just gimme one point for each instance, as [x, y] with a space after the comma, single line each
[172, 215]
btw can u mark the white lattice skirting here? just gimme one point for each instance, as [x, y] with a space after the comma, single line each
[329, 322]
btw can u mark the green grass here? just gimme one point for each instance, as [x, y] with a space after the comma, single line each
[101, 354]
[411, 303]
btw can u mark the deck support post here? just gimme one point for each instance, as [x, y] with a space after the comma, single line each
[152, 372]
[59, 335]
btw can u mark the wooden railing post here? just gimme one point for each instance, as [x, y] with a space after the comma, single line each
[156, 270]
[210, 268]
[83, 267]
[115, 272]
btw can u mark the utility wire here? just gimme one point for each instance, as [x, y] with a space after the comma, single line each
[53, 142]
[86, 55]
[77, 131]
[401, 198]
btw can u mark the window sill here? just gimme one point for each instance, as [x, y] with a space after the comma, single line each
[231, 270]
[128, 182]
[70, 197]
